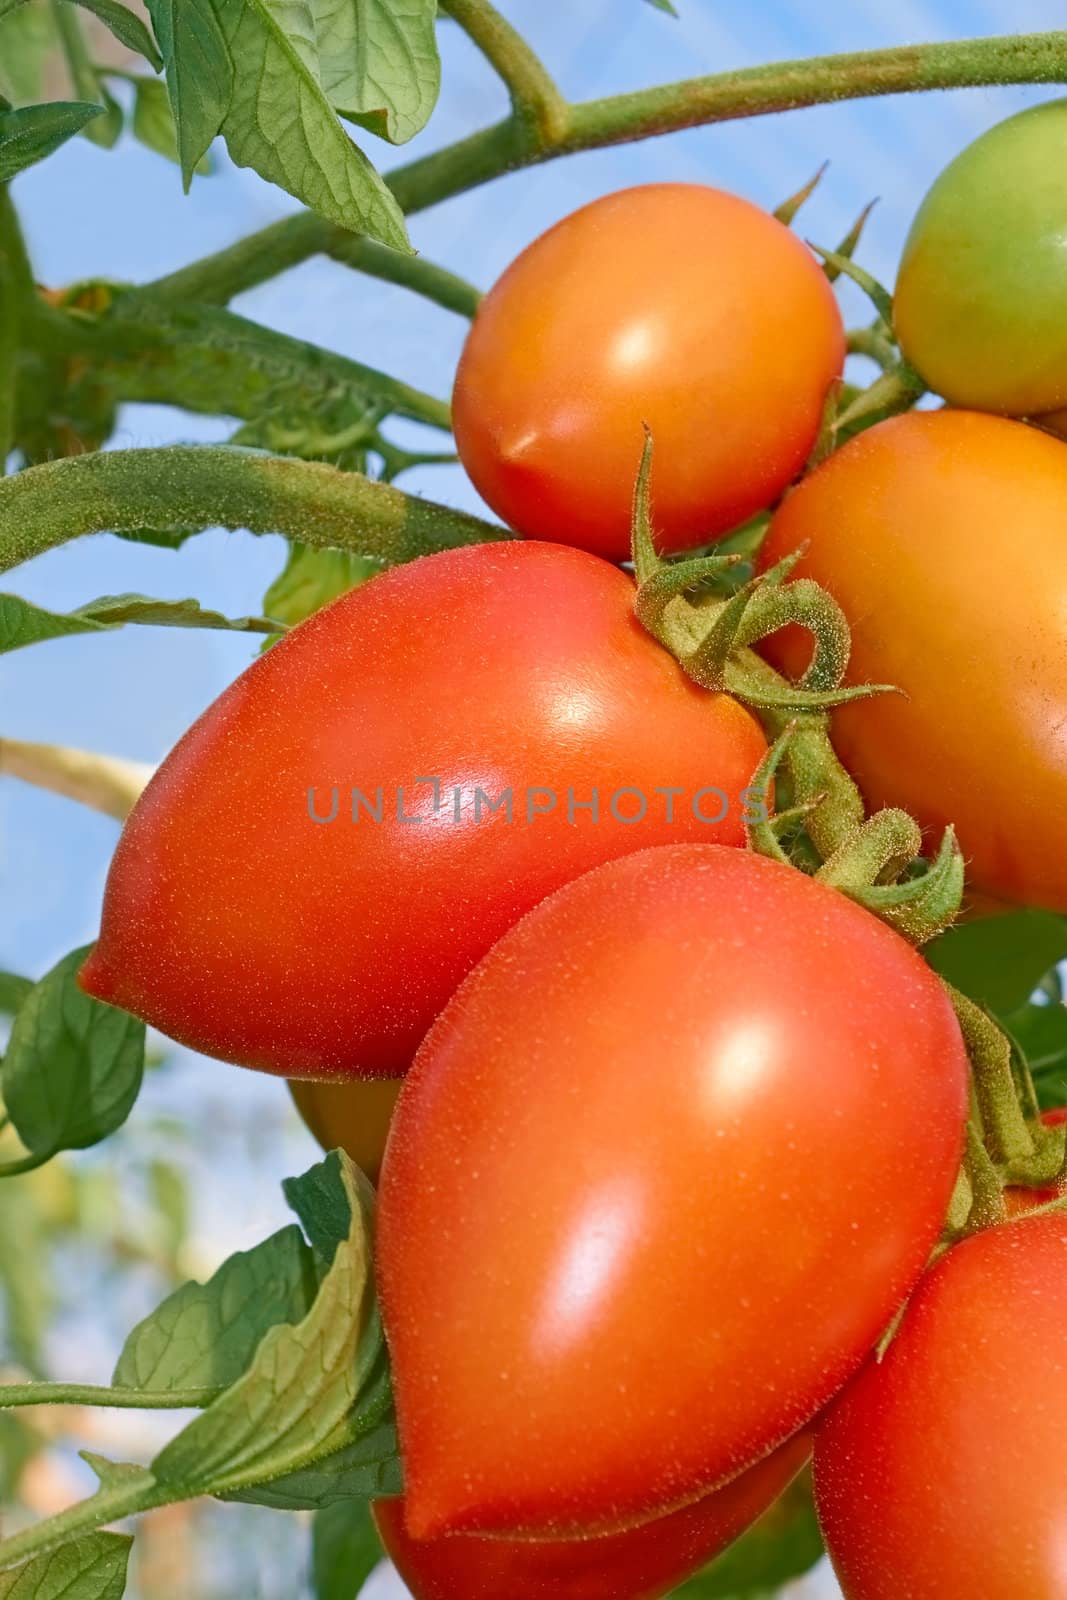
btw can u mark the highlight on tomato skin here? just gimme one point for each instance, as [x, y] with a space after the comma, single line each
[912, 527]
[674, 305]
[243, 928]
[642, 1563]
[591, 1148]
[938, 1471]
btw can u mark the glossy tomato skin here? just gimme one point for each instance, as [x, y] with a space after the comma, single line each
[642, 1563]
[983, 280]
[353, 1116]
[914, 528]
[674, 305]
[658, 1178]
[938, 1473]
[238, 925]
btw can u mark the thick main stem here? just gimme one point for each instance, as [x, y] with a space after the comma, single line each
[751, 92]
[181, 487]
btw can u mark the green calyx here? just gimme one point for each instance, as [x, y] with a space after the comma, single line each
[820, 824]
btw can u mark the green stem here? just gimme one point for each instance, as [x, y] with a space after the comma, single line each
[83, 74]
[873, 343]
[93, 1394]
[218, 278]
[10, 319]
[534, 95]
[178, 487]
[751, 92]
[99, 1511]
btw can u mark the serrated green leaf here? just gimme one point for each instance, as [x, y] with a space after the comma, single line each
[73, 1066]
[311, 579]
[379, 63]
[22, 623]
[298, 1399]
[153, 122]
[204, 1336]
[281, 123]
[345, 1549]
[93, 1568]
[199, 71]
[31, 133]
[27, 38]
[1000, 961]
[13, 991]
[127, 28]
[783, 1544]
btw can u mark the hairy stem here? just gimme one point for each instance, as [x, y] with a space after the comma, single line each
[178, 487]
[92, 1394]
[273, 250]
[534, 95]
[593, 124]
[103, 1508]
[106, 783]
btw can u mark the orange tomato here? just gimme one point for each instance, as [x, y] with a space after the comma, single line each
[674, 305]
[353, 1116]
[943, 535]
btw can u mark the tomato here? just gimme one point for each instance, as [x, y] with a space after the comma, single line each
[352, 1116]
[659, 1176]
[1019, 1199]
[674, 305]
[938, 1473]
[640, 1564]
[915, 528]
[240, 926]
[983, 279]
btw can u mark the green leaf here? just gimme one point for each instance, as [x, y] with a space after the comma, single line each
[93, 1568]
[127, 28]
[13, 991]
[281, 123]
[26, 1288]
[22, 623]
[27, 38]
[1000, 961]
[199, 71]
[19, 1443]
[30, 133]
[379, 63]
[366, 1469]
[783, 1544]
[106, 131]
[311, 579]
[664, 5]
[204, 1336]
[299, 1398]
[153, 122]
[345, 1549]
[73, 1066]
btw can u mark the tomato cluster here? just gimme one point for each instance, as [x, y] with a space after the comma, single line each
[682, 1124]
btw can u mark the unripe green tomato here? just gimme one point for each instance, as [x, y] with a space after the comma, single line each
[981, 299]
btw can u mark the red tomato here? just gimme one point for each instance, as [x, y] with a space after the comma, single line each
[641, 1564]
[658, 1178]
[914, 528]
[238, 925]
[939, 1472]
[1022, 1199]
[674, 305]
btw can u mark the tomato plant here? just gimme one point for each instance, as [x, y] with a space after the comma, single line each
[667, 305]
[599, 807]
[642, 1563]
[912, 527]
[661, 1123]
[933, 1471]
[979, 296]
[506, 698]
